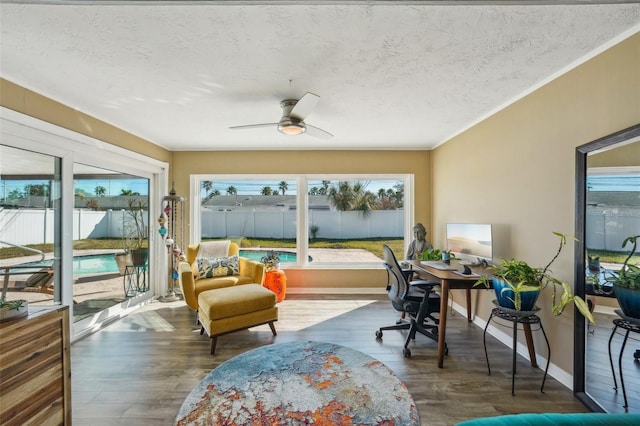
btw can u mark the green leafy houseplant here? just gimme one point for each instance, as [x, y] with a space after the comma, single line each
[521, 278]
[626, 282]
[433, 254]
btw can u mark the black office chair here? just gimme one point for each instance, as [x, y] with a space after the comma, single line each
[416, 298]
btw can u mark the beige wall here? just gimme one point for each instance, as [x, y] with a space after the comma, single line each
[517, 168]
[316, 162]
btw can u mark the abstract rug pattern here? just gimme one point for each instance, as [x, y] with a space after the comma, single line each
[300, 383]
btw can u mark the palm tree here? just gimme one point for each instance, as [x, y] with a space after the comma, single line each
[341, 196]
[100, 191]
[207, 185]
[232, 190]
[345, 197]
[325, 187]
[15, 194]
[266, 190]
[283, 186]
[126, 192]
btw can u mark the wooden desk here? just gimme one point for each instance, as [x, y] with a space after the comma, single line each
[449, 280]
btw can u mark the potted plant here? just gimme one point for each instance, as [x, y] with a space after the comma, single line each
[517, 285]
[271, 260]
[626, 282]
[435, 254]
[135, 231]
[10, 309]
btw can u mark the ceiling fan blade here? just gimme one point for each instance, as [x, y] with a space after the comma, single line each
[317, 132]
[253, 126]
[304, 106]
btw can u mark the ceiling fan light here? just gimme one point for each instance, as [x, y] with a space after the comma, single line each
[291, 127]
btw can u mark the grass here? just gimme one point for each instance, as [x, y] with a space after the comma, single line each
[608, 256]
[373, 245]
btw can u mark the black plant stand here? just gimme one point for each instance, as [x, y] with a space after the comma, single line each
[629, 325]
[135, 280]
[527, 318]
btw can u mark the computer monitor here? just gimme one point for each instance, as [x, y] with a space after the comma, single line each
[470, 242]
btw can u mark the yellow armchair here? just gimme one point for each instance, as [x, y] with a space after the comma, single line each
[250, 271]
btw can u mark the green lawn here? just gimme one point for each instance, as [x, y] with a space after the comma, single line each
[372, 245]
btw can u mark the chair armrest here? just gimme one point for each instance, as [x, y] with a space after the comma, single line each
[423, 284]
[187, 284]
[251, 268]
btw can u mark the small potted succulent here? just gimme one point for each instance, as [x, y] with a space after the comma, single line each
[10, 309]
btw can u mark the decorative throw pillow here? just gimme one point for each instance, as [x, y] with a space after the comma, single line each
[218, 267]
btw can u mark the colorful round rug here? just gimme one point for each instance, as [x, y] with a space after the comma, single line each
[300, 383]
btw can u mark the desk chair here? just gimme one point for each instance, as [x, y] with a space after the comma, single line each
[415, 298]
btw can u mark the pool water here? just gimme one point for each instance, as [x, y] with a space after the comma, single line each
[106, 263]
[86, 265]
[95, 264]
[285, 256]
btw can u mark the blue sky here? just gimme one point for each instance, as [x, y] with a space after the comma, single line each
[614, 182]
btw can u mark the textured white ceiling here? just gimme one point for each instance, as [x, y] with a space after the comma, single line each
[403, 76]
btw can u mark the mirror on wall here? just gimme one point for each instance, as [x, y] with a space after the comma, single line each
[607, 212]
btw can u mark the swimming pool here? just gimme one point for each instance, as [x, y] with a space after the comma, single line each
[285, 256]
[106, 263]
[95, 264]
[89, 264]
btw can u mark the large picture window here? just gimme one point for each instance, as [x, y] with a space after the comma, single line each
[309, 221]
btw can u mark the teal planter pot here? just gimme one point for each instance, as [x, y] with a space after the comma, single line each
[629, 300]
[505, 296]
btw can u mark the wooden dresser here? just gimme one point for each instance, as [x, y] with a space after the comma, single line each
[35, 383]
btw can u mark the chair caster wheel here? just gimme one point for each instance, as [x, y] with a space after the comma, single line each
[446, 349]
[406, 352]
[636, 355]
[379, 335]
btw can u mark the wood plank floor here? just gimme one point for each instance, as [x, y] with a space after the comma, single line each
[138, 370]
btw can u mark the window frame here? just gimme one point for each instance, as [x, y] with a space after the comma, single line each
[29, 133]
[302, 200]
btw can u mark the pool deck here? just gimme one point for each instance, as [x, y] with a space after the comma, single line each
[110, 286]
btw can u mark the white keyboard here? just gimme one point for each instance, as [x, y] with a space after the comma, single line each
[438, 265]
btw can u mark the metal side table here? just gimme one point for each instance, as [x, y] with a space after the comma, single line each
[629, 325]
[526, 318]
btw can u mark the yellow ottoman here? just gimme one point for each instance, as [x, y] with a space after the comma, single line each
[229, 309]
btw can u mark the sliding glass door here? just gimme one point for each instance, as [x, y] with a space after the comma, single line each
[68, 205]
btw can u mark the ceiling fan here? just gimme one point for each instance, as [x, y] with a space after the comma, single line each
[293, 114]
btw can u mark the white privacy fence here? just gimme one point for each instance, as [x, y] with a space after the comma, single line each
[282, 224]
[36, 226]
[606, 229]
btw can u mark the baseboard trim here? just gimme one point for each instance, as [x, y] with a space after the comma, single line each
[336, 290]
